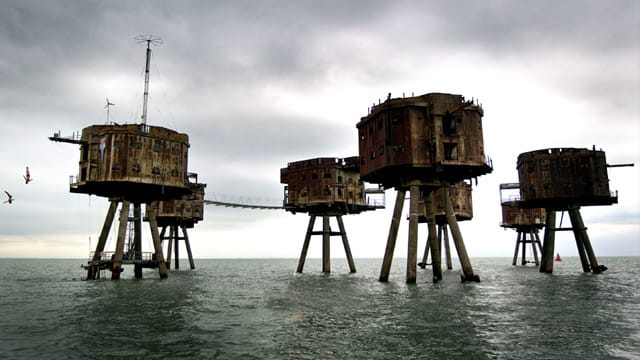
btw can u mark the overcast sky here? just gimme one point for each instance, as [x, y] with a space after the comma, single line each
[258, 84]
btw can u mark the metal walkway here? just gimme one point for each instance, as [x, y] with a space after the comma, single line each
[245, 206]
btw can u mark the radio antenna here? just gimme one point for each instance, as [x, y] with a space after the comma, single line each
[149, 40]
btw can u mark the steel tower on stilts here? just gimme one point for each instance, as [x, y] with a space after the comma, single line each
[565, 179]
[175, 216]
[327, 187]
[433, 211]
[526, 223]
[131, 165]
[419, 145]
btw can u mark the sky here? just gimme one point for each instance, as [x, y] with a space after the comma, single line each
[258, 84]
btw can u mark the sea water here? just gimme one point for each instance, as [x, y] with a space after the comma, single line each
[262, 309]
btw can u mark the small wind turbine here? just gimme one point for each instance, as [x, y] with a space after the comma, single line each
[109, 104]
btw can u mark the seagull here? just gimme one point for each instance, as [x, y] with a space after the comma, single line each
[9, 198]
[27, 177]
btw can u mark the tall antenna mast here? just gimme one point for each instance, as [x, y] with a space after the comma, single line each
[149, 40]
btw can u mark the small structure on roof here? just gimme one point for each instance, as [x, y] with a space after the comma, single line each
[327, 187]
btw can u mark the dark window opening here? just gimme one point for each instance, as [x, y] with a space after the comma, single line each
[450, 151]
[327, 175]
[448, 124]
[85, 152]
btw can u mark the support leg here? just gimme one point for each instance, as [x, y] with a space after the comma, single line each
[116, 268]
[176, 247]
[515, 254]
[393, 235]
[305, 246]
[425, 255]
[326, 245]
[412, 247]
[576, 221]
[534, 244]
[467, 270]
[447, 248]
[137, 251]
[192, 264]
[172, 235]
[436, 257]
[93, 272]
[546, 264]
[524, 248]
[153, 226]
[345, 242]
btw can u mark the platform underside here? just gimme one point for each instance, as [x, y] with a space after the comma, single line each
[131, 191]
[439, 175]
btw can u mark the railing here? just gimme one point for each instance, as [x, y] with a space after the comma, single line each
[110, 255]
[243, 202]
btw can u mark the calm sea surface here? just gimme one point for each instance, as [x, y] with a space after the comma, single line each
[261, 309]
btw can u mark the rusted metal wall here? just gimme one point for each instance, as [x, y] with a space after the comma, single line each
[563, 177]
[118, 160]
[186, 211]
[429, 136]
[460, 195]
[318, 184]
[513, 216]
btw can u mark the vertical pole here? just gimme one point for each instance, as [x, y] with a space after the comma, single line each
[192, 264]
[153, 226]
[393, 235]
[534, 242]
[436, 257]
[326, 245]
[345, 242]
[576, 221]
[305, 246]
[447, 248]
[146, 84]
[116, 268]
[467, 270]
[137, 250]
[515, 254]
[176, 247]
[546, 264]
